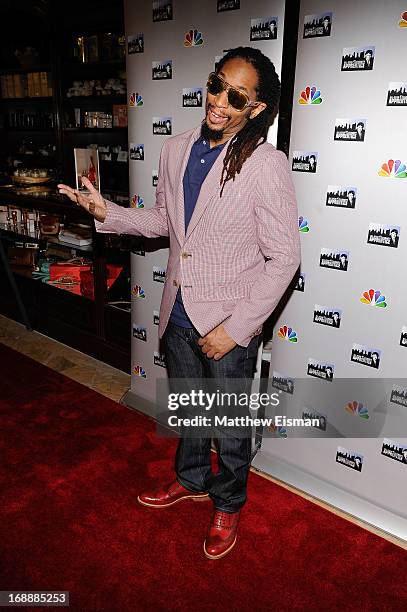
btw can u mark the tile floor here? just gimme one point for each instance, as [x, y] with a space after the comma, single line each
[113, 383]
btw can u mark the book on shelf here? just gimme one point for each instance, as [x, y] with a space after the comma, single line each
[79, 236]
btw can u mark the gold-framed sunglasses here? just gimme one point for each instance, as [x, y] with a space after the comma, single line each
[237, 98]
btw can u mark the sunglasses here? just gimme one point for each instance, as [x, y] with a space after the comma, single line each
[237, 99]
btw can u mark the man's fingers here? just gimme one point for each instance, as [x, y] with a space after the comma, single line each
[86, 182]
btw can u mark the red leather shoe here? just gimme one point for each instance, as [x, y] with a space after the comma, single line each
[222, 534]
[169, 495]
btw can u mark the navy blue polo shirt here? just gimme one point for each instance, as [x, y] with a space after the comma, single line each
[200, 162]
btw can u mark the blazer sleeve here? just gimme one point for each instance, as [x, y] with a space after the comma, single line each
[149, 222]
[276, 216]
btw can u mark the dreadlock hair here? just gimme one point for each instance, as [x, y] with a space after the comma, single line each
[254, 133]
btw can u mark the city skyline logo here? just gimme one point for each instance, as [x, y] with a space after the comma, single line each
[318, 420]
[383, 235]
[156, 317]
[159, 359]
[162, 10]
[135, 44]
[393, 169]
[193, 38]
[300, 284]
[403, 336]
[303, 225]
[399, 395]
[264, 28]
[403, 20]
[138, 370]
[305, 161]
[137, 201]
[320, 369]
[394, 450]
[342, 197]
[350, 129]
[349, 458]
[159, 274]
[227, 5]
[397, 94]
[374, 298]
[316, 26]
[138, 291]
[136, 151]
[154, 178]
[192, 97]
[162, 126]
[357, 58]
[162, 70]
[357, 408]
[336, 260]
[310, 96]
[331, 316]
[136, 99]
[287, 333]
[139, 332]
[283, 383]
[366, 356]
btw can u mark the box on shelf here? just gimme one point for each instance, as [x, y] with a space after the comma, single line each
[119, 115]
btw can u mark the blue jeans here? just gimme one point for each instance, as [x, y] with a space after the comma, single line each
[185, 359]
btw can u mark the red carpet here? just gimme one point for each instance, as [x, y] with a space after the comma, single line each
[72, 463]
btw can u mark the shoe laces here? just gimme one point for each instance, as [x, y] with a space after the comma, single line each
[223, 520]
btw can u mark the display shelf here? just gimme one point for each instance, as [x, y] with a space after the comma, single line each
[122, 130]
[19, 70]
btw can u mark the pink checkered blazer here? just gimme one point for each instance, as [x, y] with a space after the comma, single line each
[240, 251]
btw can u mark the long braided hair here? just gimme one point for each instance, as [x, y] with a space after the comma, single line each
[254, 133]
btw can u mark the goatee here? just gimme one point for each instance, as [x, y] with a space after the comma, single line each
[210, 135]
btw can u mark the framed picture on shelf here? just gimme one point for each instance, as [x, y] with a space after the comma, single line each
[87, 164]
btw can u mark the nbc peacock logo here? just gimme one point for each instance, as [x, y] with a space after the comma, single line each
[357, 409]
[393, 169]
[138, 291]
[374, 298]
[279, 431]
[287, 333]
[403, 20]
[193, 38]
[310, 96]
[137, 201]
[136, 99]
[303, 225]
[139, 371]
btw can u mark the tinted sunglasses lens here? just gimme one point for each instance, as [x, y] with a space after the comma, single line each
[214, 85]
[236, 99]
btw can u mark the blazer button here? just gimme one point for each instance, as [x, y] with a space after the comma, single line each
[185, 255]
[174, 282]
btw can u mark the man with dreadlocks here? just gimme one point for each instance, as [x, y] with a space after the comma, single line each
[226, 200]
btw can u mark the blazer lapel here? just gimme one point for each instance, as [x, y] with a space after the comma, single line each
[210, 185]
[182, 161]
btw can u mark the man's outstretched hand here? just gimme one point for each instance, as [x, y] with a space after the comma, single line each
[217, 343]
[92, 201]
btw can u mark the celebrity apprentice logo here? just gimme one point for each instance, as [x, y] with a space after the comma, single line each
[374, 298]
[300, 284]
[366, 356]
[135, 44]
[138, 370]
[349, 458]
[305, 161]
[136, 151]
[403, 336]
[228, 5]
[394, 450]
[193, 38]
[139, 332]
[192, 97]
[383, 235]
[287, 333]
[158, 274]
[342, 197]
[154, 178]
[156, 317]
[358, 409]
[350, 129]
[283, 383]
[320, 369]
[159, 359]
[357, 58]
[264, 28]
[162, 10]
[162, 126]
[310, 96]
[399, 395]
[162, 70]
[330, 316]
[319, 420]
[397, 94]
[336, 260]
[316, 26]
